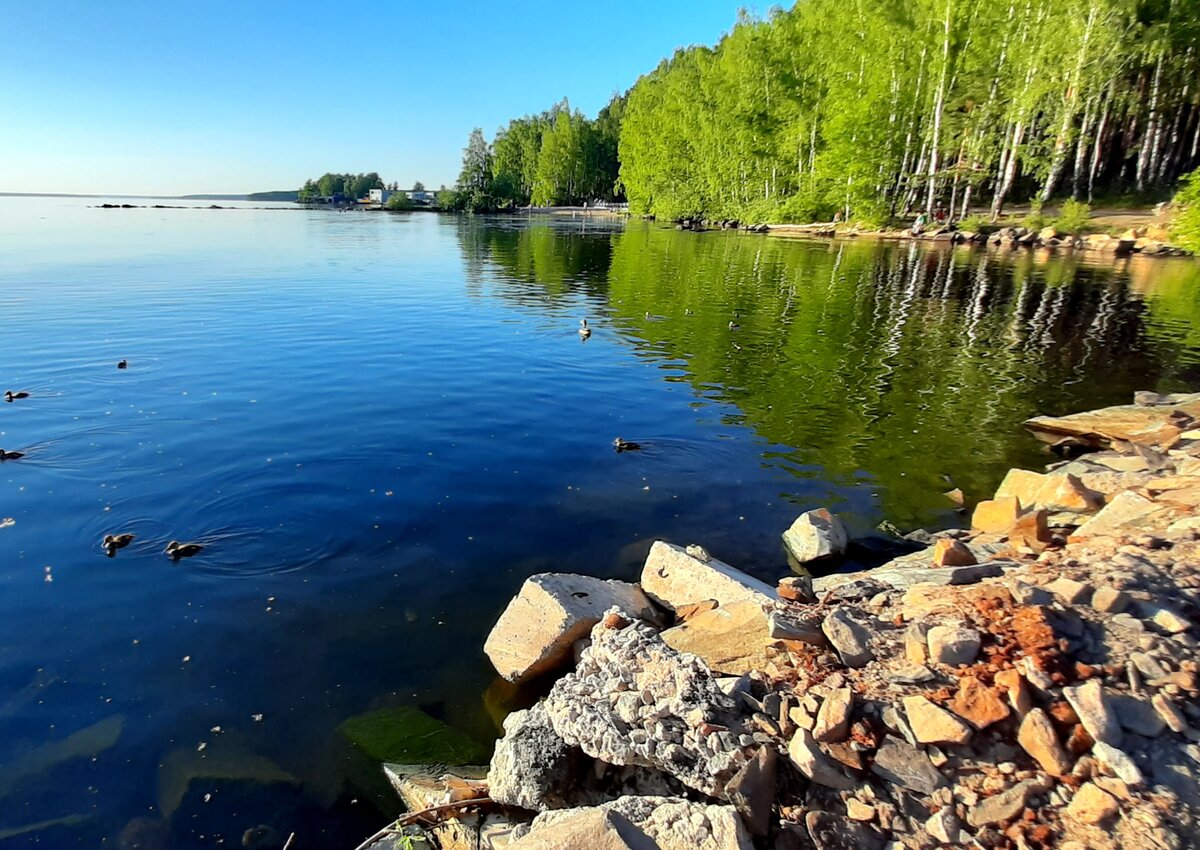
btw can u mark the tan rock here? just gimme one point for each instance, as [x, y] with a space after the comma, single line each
[953, 645]
[553, 610]
[814, 536]
[731, 640]
[1030, 531]
[672, 578]
[1065, 492]
[978, 704]
[996, 516]
[1038, 738]
[1092, 805]
[814, 764]
[1150, 426]
[593, 828]
[1023, 484]
[1110, 600]
[933, 725]
[952, 553]
[856, 809]
[1018, 690]
[916, 648]
[1069, 591]
[1125, 509]
[833, 720]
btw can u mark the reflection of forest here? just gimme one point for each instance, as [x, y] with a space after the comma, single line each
[904, 363]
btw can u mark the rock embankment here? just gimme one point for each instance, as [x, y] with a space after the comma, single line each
[1029, 682]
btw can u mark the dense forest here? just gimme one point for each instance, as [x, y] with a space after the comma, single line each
[555, 158]
[872, 109]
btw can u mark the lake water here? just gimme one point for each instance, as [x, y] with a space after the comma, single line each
[379, 425]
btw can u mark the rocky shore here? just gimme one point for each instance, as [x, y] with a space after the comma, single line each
[1146, 241]
[1027, 682]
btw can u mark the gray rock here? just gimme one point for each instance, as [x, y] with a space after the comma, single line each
[815, 535]
[814, 764]
[782, 627]
[1095, 712]
[1137, 715]
[532, 766]
[1119, 763]
[905, 765]
[752, 791]
[1004, 806]
[831, 832]
[679, 695]
[851, 639]
[953, 645]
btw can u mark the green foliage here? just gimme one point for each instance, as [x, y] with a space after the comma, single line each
[1034, 220]
[352, 186]
[1073, 217]
[874, 108]
[1185, 222]
[974, 224]
[399, 201]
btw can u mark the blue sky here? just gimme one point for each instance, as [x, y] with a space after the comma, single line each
[180, 96]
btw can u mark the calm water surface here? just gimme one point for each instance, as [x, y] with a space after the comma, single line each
[380, 425]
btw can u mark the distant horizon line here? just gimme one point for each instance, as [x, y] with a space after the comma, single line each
[225, 196]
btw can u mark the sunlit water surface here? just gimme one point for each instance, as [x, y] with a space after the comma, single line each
[379, 425]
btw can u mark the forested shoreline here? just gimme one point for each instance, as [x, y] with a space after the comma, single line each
[872, 110]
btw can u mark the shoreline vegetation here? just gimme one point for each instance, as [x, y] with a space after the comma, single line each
[874, 114]
[1027, 681]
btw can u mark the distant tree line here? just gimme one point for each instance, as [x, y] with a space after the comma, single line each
[558, 157]
[873, 108]
[347, 185]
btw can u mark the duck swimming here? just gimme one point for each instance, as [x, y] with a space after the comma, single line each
[124, 364]
[11, 455]
[626, 446]
[584, 330]
[113, 542]
[176, 550]
[734, 326]
[10, 396]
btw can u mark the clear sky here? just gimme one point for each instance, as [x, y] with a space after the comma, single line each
[232, 96]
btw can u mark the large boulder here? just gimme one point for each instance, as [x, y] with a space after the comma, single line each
[673, 577]
[633, 700]
[533, 768]
[815, 536]
[1147, 425]
[732, 639]
[535, 633]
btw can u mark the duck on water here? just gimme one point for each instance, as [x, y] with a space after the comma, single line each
[176, 550]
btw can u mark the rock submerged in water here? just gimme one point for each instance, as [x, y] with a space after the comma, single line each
[816, 535]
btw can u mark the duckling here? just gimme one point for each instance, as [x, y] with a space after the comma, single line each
[11, 455]
[584, 330]
[113, 542]
[124, 364]
[176, 550]
[10, 396]
[626, 446]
